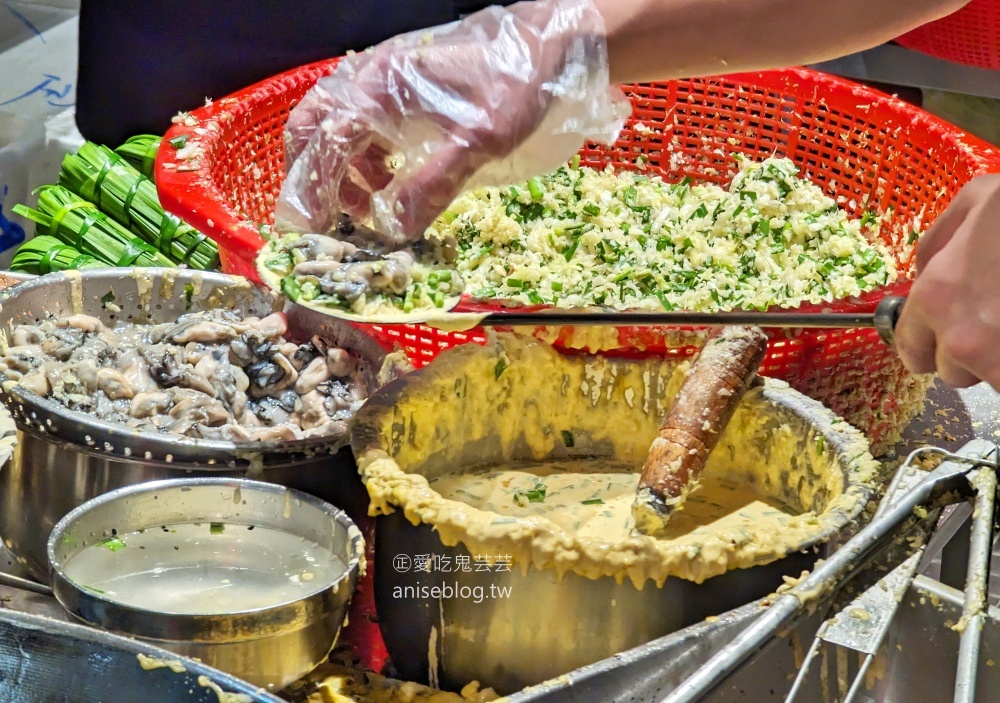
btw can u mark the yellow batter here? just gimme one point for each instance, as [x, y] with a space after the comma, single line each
[592, 498]
[341, 684]
[517, 399]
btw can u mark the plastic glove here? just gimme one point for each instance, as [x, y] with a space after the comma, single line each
[397, 132]
[951, 319]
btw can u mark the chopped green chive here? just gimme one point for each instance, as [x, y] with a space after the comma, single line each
[534, 495]
[535, 189]
[663, 301]
[571, 249]
[290, 288]
[310, 291]
[280, 263]
[115, 544]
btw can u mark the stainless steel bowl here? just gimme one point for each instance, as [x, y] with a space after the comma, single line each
[269, 647]
[65, 458]
[510, 629]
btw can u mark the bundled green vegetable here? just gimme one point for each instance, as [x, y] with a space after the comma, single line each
[79, 223]
[45, 254]
[140, 151]
[100, 176]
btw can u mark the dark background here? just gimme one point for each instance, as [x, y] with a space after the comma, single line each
[143, 62]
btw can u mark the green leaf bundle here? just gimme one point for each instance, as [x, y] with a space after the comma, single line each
[79, 223]
[140, 152]
[44, 254]
[101, 177]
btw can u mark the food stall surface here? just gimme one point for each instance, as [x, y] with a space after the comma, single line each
[922, 633]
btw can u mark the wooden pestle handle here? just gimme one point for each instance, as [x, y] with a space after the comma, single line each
[717, 381]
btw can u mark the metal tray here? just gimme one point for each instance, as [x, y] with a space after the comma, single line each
[46, 659]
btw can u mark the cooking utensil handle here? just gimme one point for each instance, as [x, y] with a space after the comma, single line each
[12, 581]
[825, 579]
[977, 584]
[717, 381]
[886, 316]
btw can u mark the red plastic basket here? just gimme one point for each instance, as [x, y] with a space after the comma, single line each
[865, 148]
[970, 36]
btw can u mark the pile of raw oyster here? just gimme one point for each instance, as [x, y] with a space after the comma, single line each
[209, 375]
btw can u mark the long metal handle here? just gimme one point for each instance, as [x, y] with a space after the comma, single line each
[883, 319]
[827, 577]
[24, 584]
[882, 600]
[977, 585]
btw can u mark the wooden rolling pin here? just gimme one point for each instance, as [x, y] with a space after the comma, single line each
[719, 377]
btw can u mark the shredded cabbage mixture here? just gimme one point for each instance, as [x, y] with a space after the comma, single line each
[580, 237]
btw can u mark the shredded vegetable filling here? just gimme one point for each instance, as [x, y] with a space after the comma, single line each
[581, 237]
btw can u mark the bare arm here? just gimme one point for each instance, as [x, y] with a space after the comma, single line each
[473, 98]
[664, 39]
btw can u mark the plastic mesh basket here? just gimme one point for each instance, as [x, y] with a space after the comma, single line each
[866, 149]
[970, 36]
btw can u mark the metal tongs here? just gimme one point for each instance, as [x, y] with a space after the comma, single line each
[973, 469]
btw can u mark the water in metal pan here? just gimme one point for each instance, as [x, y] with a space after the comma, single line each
[203, 568]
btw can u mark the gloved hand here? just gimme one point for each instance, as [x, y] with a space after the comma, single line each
[951, 320]
[400, 130]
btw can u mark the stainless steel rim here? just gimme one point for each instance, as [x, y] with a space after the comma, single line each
[54, 421]
[237, 626]
[365, 433]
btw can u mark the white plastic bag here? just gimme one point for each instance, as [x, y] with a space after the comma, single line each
[21, 141]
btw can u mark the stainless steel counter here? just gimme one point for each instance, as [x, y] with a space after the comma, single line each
[953, 417]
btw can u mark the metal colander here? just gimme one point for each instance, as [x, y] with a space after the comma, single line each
[156, 296]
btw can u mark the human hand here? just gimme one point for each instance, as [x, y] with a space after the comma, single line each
[951, 320]
[400, 130]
